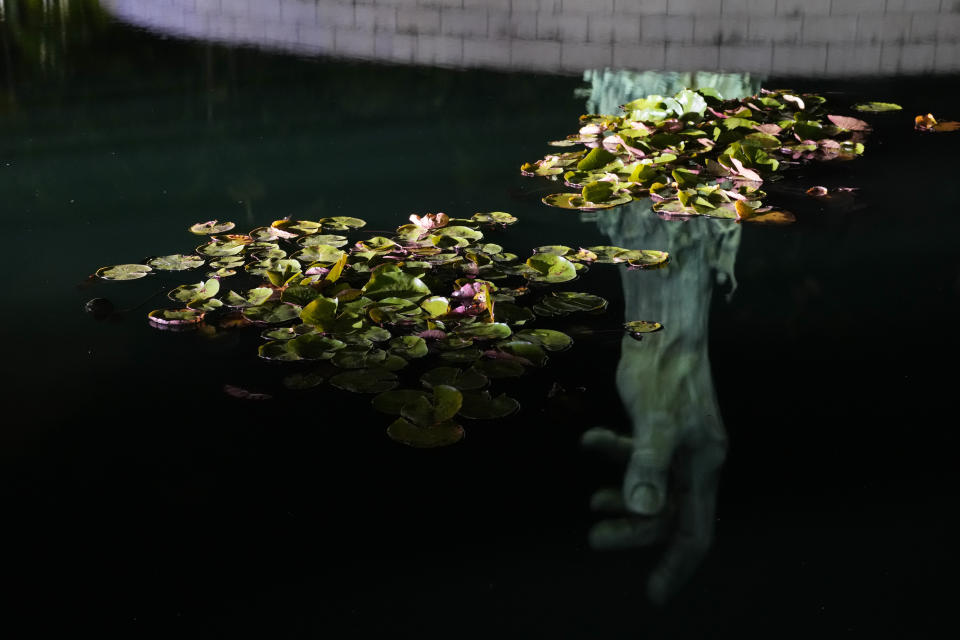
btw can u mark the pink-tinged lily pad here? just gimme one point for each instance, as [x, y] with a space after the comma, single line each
[211, 227]
[848, 123]
[175, 317]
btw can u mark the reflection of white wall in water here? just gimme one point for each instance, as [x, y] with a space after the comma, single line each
[609, 88]
[782, 37]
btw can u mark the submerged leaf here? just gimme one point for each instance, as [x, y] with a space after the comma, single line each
[374, 380]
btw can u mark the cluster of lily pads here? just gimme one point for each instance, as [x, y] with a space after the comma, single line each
[362, 311]
[697, 153]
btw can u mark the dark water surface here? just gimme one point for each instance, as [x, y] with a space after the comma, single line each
[138, 497]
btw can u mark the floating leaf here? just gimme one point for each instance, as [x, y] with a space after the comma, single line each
[496, 217]
[500, 368]
[175, 317]
[342, 223]
[253, 297]
[549, 339]
[374, 380]
[391, 281]
[648, 258]
[217, 249]
[642, 326]
[848, 123]
[244, 394]
[551, 268]
[175, 262]
[877, 107]
[322, 239]
[211, 227]
[302, 381]
[197, 291]
[272, 312]
[356, 357]
[440, 435]
[595, 159]
[392, 402]
[484, 331]
[481, 406]
[527, 351]
[321, 313]
[124, 272]
[409, 347]
[465, 380]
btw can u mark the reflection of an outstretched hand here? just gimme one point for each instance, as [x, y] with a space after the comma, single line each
[668, 495]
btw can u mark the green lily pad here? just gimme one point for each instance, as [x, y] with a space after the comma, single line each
[465, 380]
[500, 368]
[124, 272]
[389, 280]
[484, 331]
[254, 297]
[302, 381]
[595, 159]
[211, 227]
[481, 406]
[373, 380]
[461, 356]
[642, 326]
[409, 347]
[321, 312]
[175, 317]
[322, 239]
[496, 217]
[439, 435]
[176, 262]
[355, 357]
[217, 249]
[647, 258]
[196, 291]
[272, 312]
[342, 223]
[877, 107]
[512, 314]
[551, 268]
[549, 339]
[301, 295]
[286, 333]
[430, 410]
[392, 402]
[323, 253]
[529, 351]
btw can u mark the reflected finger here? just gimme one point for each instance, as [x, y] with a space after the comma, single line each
[626, 533]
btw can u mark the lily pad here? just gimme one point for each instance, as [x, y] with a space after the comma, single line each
[409, 347]
[197, 291]
[642, 326]
[342, 223]
[496, 217]
[481, 406]
[465, 380]
[389, 280]
[373, 380]
[439, 435]
[877, 107]
[124, 272]
[549, 339]
[272, 312]
[176, 262]
[500, 368]
[254, 297]
[484, 331]
[322, 239]
[211, 227]
[392, 402]
[551, 268]
[302, 381]
[175, 317]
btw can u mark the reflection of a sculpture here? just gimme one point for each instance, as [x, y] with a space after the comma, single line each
[678, 444]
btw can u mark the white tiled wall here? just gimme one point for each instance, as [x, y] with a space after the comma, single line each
[783, 37]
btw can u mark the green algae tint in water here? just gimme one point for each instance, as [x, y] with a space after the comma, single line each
[138, 488]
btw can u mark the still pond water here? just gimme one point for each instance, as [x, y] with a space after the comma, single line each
[140, 497]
